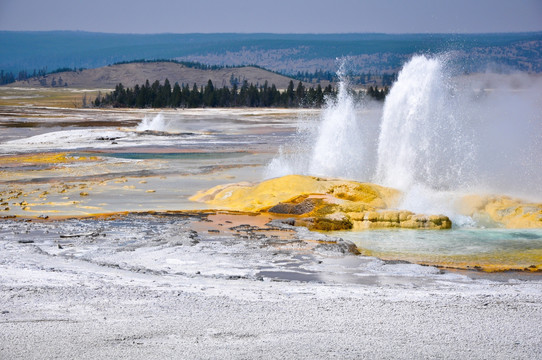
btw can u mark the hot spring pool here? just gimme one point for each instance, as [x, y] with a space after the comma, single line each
[488, 249]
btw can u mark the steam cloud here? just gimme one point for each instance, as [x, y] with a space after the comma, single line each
[478, 133]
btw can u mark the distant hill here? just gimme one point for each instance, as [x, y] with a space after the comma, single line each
[285, 53]
[137, 73]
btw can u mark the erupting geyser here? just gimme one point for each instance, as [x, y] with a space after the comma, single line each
[439, 137]
[443, 136]
[338, 149]
[424, 147]
[338, 146]
[422, 140]
[157, 123]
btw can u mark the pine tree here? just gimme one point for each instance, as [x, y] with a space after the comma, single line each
[194, 100]
[165, 94]
[176, 95]
[299, 94]
[290, 94]
[209, 94]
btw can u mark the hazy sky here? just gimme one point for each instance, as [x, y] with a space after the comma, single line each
[274, 16]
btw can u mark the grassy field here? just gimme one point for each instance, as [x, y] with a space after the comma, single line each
[49, 97]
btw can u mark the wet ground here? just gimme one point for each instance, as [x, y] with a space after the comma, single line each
[217, 245]
[102, 255]
[149, 287]
[82, 161]
[58, 163]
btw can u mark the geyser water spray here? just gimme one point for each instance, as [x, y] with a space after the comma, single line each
[156, 123]
[336, 146]
[443, 136]
[423, 140]
[338, 149]
[438, 138]
[424, 148]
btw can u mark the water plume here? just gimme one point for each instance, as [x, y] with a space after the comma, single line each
[157, 123]
[423, 140]
[440, 135]
[338, 149]
[338, 145]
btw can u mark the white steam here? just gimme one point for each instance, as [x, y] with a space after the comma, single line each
[157, 123]
[337, 144]
[439, 135]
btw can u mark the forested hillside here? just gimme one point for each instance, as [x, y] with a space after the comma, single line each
[131, 74]
[284, 53]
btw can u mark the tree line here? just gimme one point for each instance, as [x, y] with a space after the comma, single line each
[159, 95]
[164, 95]
[189, 64]
[7, 77]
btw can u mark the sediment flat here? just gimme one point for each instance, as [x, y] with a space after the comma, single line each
[86, 315]
[102, 291]
[154, 282]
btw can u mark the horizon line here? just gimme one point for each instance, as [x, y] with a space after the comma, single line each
[274, 33]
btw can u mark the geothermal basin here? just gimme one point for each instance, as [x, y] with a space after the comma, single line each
[278, 233]
[447, 145]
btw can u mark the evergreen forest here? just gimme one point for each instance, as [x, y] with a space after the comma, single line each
[157, 95]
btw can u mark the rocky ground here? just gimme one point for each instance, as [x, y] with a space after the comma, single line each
[173, 286]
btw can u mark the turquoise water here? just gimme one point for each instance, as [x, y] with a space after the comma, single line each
[486, 248]
[174, 156]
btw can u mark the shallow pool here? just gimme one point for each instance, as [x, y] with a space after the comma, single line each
[488, 249]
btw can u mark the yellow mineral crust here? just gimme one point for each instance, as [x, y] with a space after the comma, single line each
[494, 261]
[264, 195]
[51, 158]
[398, 219]
[503, 210]
[333, 203]
[42, 158]
[322, 204]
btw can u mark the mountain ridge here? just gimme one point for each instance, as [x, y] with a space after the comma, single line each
[137, 73]
[285, 53]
